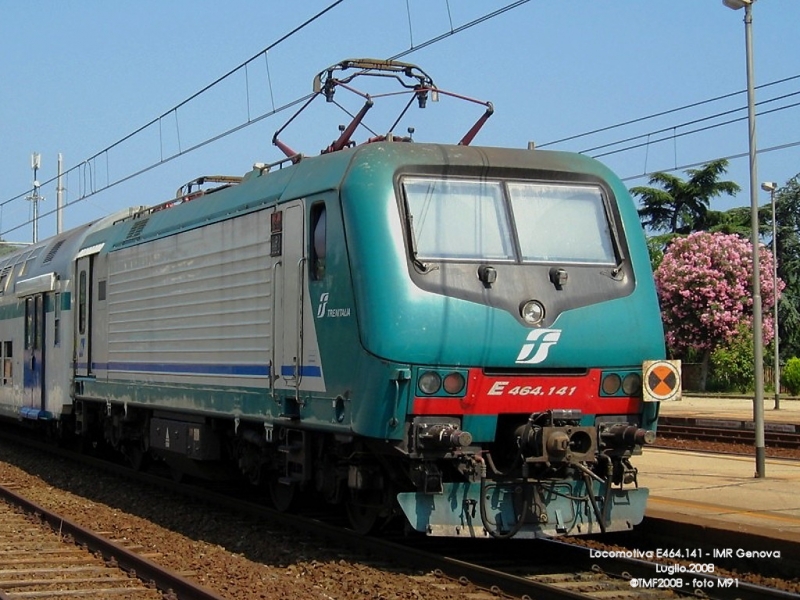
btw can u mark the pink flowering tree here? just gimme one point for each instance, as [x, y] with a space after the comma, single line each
[704, 284]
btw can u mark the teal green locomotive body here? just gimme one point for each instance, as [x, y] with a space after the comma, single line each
[439, 290]
[458, 336]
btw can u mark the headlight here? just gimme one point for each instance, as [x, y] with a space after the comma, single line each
[632, 384]
[429, 383]
[532, 312]
[611, 384]
[454, 383]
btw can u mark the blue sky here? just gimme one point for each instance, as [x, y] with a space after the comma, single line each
[78, 76]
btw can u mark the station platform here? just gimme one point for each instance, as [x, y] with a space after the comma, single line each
[732, 407]
[722, 491]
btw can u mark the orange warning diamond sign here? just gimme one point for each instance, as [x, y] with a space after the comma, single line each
[661, 380]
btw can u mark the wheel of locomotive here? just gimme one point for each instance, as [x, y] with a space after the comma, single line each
[177, 475]
[136, 454]
[283, 495]
[364, 513]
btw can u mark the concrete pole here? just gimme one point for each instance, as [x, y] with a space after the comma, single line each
[758, 336]
[776, 366]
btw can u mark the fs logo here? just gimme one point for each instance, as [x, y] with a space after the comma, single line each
[323, 303]
[539, 342]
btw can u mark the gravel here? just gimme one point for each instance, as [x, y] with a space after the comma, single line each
[703, 446]
[239, 558]
[236, 557]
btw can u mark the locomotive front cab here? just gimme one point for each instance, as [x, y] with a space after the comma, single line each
[528, 281]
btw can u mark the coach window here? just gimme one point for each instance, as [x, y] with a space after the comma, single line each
[38, 321]
[4, 277]
[57, 319]
[82, 303]
[38, 310]
[319, 245]
[30, 323]
[8, 355]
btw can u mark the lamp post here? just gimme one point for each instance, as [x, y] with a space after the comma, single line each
[758, 340]
[35, 197]
[771, 186]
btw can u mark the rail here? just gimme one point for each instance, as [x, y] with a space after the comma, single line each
[547, 569]
[780, 435]
[172, 584]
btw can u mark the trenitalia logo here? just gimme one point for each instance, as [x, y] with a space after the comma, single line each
[323, 303]
[539, 342]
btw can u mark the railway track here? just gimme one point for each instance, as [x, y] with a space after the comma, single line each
[781, 435]
[540, 569]
[520, 568]
[558, 570]
[44, 555]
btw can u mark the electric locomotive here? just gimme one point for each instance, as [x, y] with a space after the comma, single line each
[466, 338]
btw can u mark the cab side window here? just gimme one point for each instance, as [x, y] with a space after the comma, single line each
[82, 301]
[318, 240]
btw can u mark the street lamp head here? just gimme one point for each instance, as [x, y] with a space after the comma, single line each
[737, 4]
[769, 186]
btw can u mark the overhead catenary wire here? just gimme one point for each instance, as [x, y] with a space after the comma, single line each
[459, 29]
[665, 112]
[88, 164]
[203, 90]
[683, 134]
[92, 186]
[152, 166]
[648, 136]
[700, 120]
[728, 157]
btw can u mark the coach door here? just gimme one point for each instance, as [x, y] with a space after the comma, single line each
[83, 314]
[290, 339]
[33, 356]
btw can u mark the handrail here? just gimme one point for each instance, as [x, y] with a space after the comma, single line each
[300, 297]
[272, 374]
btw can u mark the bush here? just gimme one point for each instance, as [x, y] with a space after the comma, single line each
[732, 364]
[790, 376]
[704, 285]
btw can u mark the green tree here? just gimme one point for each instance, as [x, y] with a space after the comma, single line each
[787, 209]
[679, 206]
[734, 220]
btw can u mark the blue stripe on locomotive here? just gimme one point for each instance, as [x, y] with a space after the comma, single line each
[389, 324]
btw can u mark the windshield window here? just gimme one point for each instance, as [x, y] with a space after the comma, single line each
[561, 223]
[458, 219]
[462, 219]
